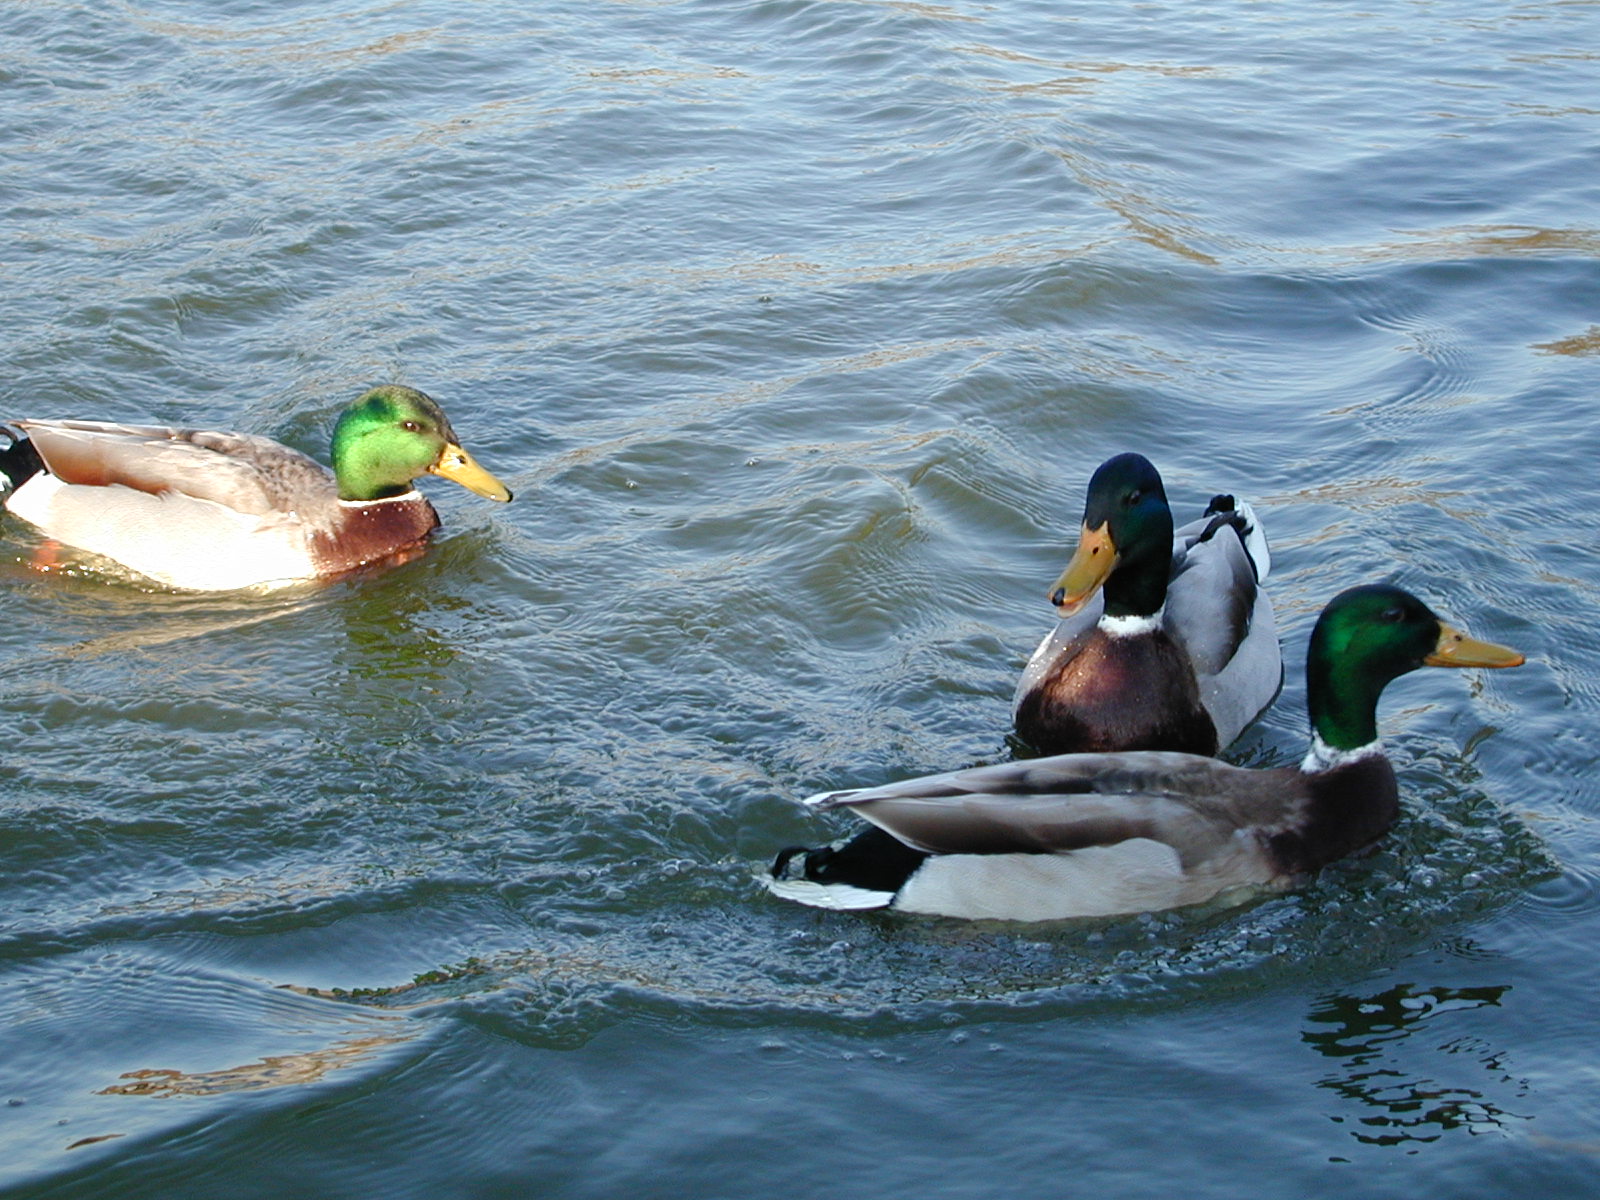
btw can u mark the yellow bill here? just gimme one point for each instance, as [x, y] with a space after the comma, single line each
[1086, 574]
[1456, 649]
[457, 465]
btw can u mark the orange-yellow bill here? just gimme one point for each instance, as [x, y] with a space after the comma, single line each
[1456, 649]
[1090, 567]
[457, 465]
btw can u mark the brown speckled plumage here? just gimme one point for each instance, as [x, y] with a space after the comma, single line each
[372, 532]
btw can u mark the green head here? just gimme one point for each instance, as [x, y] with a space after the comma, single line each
[1125, 545]
[1364, 638]
[394, 434]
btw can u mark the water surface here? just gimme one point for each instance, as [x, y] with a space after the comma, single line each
[797, 327]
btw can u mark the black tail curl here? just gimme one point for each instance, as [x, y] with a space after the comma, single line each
[19, 462]
[872, 859]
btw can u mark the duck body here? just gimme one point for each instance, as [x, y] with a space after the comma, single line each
[1166, 641]
[1094, 835]
[206, 510]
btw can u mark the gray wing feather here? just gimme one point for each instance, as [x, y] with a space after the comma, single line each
[246, 473]
[1252, 535]
[1251, 679]
[1223, 619]
[1071, 801]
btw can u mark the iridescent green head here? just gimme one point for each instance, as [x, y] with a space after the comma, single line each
[392, 435]
[1125, 545]
[1368, 636]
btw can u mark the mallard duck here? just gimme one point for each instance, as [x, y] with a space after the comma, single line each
[209, 511]
[1099, 834]
[1166, 642]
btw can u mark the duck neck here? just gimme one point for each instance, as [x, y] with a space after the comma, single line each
[1323, 757]
[365, 477]
[1342, 691]
[372, 462]
[1119, 627]
[1138, 587]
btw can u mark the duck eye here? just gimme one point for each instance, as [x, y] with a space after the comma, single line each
[411, 426]
[1394, 615]
[1134, 497]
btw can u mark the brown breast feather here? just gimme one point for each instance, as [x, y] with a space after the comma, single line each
[1118, 693]
[369, 533]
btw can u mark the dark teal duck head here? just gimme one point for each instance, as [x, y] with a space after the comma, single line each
[1125, 544]
[1368, 636]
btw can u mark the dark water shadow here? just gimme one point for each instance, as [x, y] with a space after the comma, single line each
[1393, 1100]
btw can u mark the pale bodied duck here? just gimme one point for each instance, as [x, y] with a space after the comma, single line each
[1100, 834]
[207, 511]
[1166, 642]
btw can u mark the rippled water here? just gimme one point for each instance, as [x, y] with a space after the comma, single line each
[797, 327]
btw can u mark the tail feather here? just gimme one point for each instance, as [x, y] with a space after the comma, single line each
[864, 871]
[840, 897]
[1243, 518]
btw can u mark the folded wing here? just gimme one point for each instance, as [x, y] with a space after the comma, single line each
[248, 474]
[1052, 805]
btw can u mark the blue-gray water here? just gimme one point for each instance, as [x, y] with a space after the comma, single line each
[798, 326]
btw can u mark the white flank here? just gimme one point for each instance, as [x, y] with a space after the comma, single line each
[1138, 875]
[172, 538]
